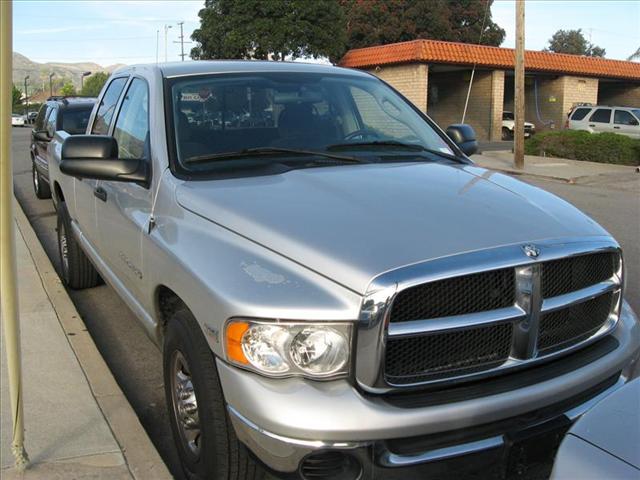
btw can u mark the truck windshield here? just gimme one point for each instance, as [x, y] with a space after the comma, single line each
[215, 115]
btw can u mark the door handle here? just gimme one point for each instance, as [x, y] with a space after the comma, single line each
[617, 128]
[591, 125]
[100, 193]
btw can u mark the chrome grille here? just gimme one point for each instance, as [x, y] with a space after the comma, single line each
[497, 310]
[444, 353]
[456, 296]
[571, 325]
[571, 274]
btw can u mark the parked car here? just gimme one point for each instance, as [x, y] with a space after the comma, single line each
[509, 125]
[605, 442]
[17, 120]
[31, 117]
[597, 119]
[70, 114]
[338, 291]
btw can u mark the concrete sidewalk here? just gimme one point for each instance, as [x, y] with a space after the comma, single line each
[78, 423]
[570, 171]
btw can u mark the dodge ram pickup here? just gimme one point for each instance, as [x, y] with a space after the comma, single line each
[337, 290]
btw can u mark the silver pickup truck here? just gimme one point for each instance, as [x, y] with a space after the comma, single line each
[338, 291]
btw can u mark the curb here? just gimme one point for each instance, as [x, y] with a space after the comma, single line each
[520, 173]
[141, 456]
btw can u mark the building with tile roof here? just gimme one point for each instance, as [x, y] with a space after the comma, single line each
[435, 75]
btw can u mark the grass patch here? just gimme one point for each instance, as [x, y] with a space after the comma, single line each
[589, 147]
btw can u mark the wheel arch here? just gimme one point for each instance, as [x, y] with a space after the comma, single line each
[57, 192]
[167, 302]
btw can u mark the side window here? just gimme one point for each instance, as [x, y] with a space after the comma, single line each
[107, 106]
[42, 114]
[601, 115]
[132, 125]
[52, 121]
[580, 113]
[622, 117]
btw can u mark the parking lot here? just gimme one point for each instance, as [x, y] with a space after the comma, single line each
[136, 362]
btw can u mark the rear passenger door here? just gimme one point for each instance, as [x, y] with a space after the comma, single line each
[124, 208]
[626, 124]
[600, 120]
[85, 201]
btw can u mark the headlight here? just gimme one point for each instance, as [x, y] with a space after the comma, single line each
[314, 350]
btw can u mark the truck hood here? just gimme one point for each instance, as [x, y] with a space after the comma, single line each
[351, 223]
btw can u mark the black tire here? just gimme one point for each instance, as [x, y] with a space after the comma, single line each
[507, 134]
[77, 270]
[215, 452]
[40, 185]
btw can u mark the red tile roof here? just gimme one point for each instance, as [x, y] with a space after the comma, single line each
[434, 51]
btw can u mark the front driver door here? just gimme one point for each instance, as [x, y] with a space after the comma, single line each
[123, 209]
[84, 212]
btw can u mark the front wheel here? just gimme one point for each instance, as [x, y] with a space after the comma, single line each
[204, 437]
[40, 186]
[507, 134]
[77, 270]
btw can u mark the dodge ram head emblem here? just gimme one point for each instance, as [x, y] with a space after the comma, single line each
[531, 251]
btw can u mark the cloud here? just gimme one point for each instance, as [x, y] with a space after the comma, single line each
[48, 30]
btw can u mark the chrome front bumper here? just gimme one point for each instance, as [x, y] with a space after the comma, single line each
[283, 421]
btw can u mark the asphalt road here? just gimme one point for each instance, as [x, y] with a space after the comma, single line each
[135, 361]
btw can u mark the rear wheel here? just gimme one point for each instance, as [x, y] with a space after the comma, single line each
[507, 134]
[202, 430]
[77, 270]
[40, 185]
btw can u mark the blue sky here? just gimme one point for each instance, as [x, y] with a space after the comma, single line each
[108, 32]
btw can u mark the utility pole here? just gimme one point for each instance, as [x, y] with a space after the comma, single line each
[26, 95]
[8, 266]
[518, 138]
[181, 42]
[51, 84]
[166, 29]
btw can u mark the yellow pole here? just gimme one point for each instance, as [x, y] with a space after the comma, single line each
[8, 267]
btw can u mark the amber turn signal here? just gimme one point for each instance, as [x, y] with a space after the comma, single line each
[234, 333]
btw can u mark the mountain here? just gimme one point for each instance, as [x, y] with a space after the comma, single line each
[39, 72]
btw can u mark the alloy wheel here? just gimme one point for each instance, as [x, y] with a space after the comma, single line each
[185, 404]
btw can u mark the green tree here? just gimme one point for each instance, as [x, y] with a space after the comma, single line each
[16, 96]
[634, 56]
[575, 43]
[68, 89]
[94, 84]
[377, 22]
[272, 29]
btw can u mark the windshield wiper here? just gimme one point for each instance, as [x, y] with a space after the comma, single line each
[267, 151]
[393, 143]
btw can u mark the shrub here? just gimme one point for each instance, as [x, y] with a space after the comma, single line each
[590, 147]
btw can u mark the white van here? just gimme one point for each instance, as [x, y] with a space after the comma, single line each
[598, 119]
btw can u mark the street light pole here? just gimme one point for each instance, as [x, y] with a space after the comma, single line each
[51, 84]
[157, 43]
[26, 95]
[84, 74]
[166, 29]
[8, 267]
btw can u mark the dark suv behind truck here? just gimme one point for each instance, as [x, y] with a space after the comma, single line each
[58, 113]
